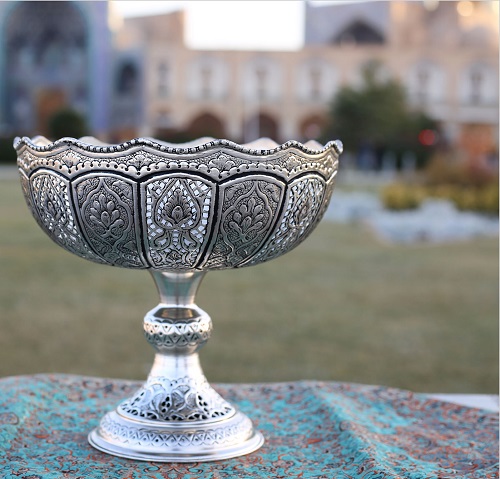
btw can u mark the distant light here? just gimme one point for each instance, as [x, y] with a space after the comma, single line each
[427, 137]
[431, 5]
[465, 8]
[495, 6]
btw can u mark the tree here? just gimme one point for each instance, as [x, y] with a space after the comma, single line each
[377, 116]
[67, 122]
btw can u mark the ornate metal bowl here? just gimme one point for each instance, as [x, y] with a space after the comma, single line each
[178, 211]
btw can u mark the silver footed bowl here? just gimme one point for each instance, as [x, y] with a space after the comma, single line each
[177, 210]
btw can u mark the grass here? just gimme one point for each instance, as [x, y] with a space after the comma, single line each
[343, 306]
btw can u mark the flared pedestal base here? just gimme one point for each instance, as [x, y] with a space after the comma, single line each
[146, 440]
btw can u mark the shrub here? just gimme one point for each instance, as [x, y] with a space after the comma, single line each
[67, 122]
[489, 199]
[481, 199]
[449, 169]
[400, 196]
[470, 187]
[7, 152]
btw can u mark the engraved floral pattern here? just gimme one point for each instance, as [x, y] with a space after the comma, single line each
[222, 162]
[248, 219]
[106, 216]
[106, 206]
[25, 185]
[303, 206]
[184, 399]
[248, 209]
[54, 214]
[177, 212]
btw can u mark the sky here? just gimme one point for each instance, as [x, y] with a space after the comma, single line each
[252, 25]
[237, 24]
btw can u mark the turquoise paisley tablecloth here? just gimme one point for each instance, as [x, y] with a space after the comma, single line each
[312, 430]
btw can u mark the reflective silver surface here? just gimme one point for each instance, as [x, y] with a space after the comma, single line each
[178, 211]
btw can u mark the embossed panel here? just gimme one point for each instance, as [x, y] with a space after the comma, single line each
[305, 197]
[325, 201]
[176, 220]
[25, 185]
[54, 213]
[109, 220]
[247, 210]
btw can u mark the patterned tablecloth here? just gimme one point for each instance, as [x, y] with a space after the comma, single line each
[312, 430]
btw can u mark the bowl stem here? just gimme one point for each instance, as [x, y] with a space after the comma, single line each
[176, 416]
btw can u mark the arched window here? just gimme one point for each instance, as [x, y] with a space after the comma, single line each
[206, 81]
[127, 79]
[359, 33]
[311, 127]
[163, 80]
[262, 79]
[479, 85]
[476, 86]
[261, 125]
[371, 69]
[206, 124]
[316, 81]
[207, 78]
[426, 83]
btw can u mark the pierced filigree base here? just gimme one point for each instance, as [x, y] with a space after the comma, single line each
[147, 440]
[176, 420]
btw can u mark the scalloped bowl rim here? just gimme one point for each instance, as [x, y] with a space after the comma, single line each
[93, 145]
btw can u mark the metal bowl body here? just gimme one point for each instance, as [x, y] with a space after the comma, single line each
[145, 204]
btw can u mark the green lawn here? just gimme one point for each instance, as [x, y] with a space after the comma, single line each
[343, 306]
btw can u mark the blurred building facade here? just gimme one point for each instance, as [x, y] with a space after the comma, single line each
[56, 55]
[143, 79]
[447, 59]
